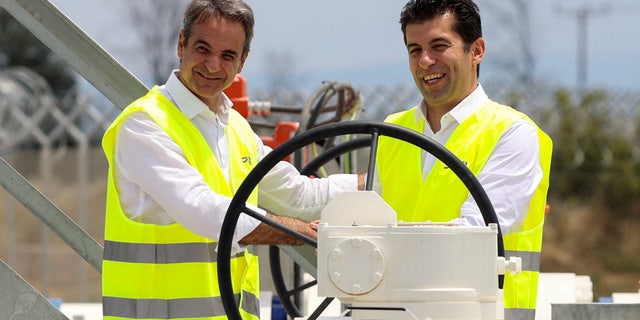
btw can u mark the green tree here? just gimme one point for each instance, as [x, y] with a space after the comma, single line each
[157, 24]
[18, 47]
[593, 156]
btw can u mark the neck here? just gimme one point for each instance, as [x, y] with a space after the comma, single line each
[433, 115]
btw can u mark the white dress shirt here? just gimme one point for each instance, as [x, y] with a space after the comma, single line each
[157, 185]
[510, 176]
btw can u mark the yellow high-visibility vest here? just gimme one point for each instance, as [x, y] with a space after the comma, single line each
[439, 197]
[165, 271]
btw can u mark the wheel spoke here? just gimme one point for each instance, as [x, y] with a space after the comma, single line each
[323, 305]
[372, 160]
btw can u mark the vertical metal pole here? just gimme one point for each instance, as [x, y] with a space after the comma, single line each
[45, 171]
[582, 18]
[11, 227]
[83, 207]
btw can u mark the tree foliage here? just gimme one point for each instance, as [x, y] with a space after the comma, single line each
[511, 25]
[19, 47]
[157, 24]
[594, 157]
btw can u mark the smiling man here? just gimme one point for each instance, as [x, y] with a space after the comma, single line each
[506, 151]
[176, 157]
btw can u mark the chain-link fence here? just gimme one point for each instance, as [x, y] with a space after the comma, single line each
[52, 142]
[595, 175]
[590, 230]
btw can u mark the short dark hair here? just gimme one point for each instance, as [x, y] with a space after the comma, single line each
[468, 24]
[234, 10]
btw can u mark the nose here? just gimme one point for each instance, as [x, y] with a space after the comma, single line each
[212, 63]
[426, 60]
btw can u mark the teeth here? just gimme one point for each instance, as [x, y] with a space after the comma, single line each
[433, 76]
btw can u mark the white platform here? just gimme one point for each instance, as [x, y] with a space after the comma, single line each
[82, 311]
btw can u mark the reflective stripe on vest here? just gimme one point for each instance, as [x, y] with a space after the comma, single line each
[177, 308]
[519, 314]
[166, 271]
[439, 197]
[161, 253]
[530, 260]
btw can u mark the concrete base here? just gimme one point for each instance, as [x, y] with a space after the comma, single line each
[595, 311]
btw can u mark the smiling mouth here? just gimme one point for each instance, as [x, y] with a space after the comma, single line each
[433, 77]
[207, 76]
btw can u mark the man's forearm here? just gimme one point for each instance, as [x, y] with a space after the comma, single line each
[268, 235]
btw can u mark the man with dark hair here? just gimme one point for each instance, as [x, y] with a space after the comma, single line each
[505, 149]
[176, 157]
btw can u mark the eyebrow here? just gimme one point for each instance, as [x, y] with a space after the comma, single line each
[439, 39]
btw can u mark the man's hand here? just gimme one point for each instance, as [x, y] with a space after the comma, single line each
[362, 178]
[265, 234]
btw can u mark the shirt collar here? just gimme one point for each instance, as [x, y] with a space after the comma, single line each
[189, 103]
[465, 108]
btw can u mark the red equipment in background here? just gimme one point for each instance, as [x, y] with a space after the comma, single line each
[237, 92]
[332, 102]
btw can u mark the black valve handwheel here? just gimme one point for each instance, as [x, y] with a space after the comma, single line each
[374, 130]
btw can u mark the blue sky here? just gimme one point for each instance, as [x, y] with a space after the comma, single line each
[359, 41]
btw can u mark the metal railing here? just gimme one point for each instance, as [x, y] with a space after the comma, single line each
[71, 44]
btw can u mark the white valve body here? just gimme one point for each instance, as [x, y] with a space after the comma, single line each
[388, 270]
